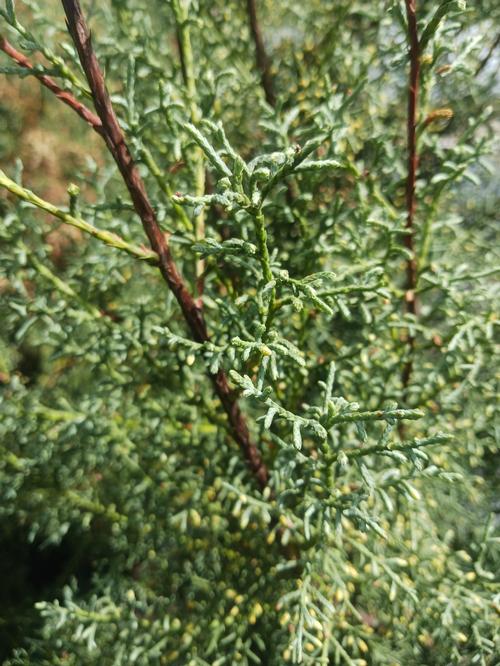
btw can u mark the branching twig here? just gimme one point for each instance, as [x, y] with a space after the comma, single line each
[65, 96]
[409, 239]
[107, 237]
[115, 140]
[92, 119]
[404, 447]
[261, 58]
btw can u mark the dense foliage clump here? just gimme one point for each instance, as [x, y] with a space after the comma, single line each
[260, 427]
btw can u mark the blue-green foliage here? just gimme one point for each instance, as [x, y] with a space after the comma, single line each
[373, 543]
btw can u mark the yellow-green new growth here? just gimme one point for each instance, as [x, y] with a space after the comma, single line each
[107, 237]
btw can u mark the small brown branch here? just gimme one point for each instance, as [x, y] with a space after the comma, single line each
[411, 304]
[65, 96]
[411, 269]
[261, 57]
[487, 57]
[115, 140]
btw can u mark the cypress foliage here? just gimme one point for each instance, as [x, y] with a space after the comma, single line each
[255, 401]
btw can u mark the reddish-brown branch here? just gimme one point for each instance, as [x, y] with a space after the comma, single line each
[65, 96]
[115, 141]
[263, 64]
[411, 264]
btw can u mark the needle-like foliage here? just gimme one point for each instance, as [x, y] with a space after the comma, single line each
[255, 393]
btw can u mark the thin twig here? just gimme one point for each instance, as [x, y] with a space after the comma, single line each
[409, 239]
[189, 77]
[264, 66]
[92, 119]
[107, 237]
[65, 96]
[487, 57]
[263, 63]
[115, 140]
[405, 447]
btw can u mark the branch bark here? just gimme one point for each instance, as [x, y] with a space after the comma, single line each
[261, 58]
[115, 141]
[411, 304]
[65, 96]
[90, 118]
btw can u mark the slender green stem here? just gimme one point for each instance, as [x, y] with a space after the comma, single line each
[426, 244]
[356, 417]
[180, 8]
[157, 174]
[382, 449]
[107, 237]
[260, 228]
[92, 310]
[95, 507]
[62, 286]
[380, 198]
[265, 262]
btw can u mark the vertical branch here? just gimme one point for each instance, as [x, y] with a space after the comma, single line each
[189, 76]
[115, 140]
[409, 239]
[263, 64]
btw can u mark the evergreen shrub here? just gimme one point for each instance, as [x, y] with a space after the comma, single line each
[251, 402]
